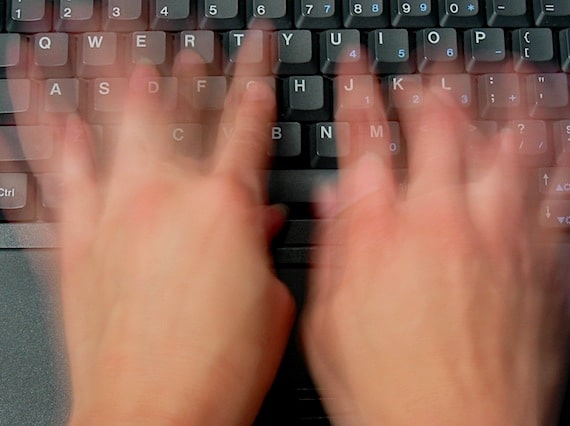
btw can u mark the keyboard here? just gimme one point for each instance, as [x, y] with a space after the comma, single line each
[506, 63]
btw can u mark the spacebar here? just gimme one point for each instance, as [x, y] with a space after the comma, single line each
[297, 186]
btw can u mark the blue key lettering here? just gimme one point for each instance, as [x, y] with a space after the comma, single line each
[423, 7]
[375, 7]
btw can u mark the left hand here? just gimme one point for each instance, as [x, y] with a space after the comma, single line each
[173, 314]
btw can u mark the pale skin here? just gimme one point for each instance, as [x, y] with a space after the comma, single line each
[171, 304]
[435, 302]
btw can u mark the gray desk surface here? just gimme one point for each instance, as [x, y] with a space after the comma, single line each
[33, 379]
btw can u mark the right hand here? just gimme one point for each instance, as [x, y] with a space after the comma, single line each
[435, 306]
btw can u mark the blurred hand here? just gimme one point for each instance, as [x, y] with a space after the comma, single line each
[433, 304]
[173, 314]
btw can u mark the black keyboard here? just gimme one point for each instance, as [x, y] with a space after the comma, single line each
[505, 62]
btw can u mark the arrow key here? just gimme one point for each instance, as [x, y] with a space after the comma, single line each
[554, 181]
[556, 214]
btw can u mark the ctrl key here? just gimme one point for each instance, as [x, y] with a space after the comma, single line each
[16, 198]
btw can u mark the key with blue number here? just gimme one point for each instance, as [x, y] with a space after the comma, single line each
[318, 14]
[437, 50]
[366, 13]
[460, 13]
[413, 13]
[390, 51]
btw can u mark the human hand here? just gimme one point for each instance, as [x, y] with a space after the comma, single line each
[433, 304]
[172, 312]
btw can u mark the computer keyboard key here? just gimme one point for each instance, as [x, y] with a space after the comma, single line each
[533, 50]
[50, 195]
[171, 15]
[460, 13]
[508, 13]
[28, 16]
[186, 139]
[554, 181]
[390, 51]
[106, 99]
[151, 47]
[124, 15]
[99, 55]
[414, 13]
[297, 186]
[484, 50]
[437, 51]
[220, 14]
[16, 196]
[209, 93]
[339, 47]
[76, 15]
[457, 89]
[60, 96]
[565, 50]
[293, 52]
[205, 51]
[273, 14]
[13, 56]
[287, 142]
[25, 144]
[555, 214]
[51, 56]
[306, 98]
[255, 60]
[552, 13]
[318, 14]
[328, 142]
[547, 96]
[383, 137]
[17, 101]
[366, 14]
[355, 98]
[531, 140]
[562, 143]
[404, 92]
[500, 96]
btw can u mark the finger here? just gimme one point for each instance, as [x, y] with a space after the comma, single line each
[275, 216]
[358, 102]
[251, 63]
[190, 67]
[141, 144]
[81, 205]
[359, 105]
[246, 154]
[435, 146]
